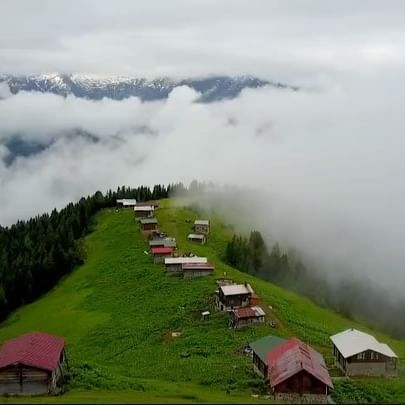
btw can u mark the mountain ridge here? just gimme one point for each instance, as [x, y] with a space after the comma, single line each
[212, 88]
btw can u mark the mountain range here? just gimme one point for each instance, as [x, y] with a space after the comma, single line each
[212, 89]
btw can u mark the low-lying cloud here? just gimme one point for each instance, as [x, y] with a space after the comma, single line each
[327, 164]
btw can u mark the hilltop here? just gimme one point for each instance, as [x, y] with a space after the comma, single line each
[118, 312]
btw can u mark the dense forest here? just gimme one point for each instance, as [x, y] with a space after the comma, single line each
[355, 298]
[35, 254]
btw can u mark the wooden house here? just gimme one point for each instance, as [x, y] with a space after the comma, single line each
[174, 265]
[163, 242]
[358, 353]
[148, 224]
[32, 364]
[192, 270]
[197, 237]
[298, 374]
[160, 253]
[241, 317]
[260, 348]
[202, 226]
[233, 296]
[154, 204]
[144, 211]
[126, 202]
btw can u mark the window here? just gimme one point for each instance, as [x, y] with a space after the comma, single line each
[361, 356]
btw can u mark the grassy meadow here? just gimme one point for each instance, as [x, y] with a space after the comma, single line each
[118, 312]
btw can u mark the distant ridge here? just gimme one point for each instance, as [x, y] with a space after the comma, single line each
[95, 87]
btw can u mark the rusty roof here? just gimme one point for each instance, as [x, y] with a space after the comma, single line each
[292, 357]
[35, 349]
[194, 266]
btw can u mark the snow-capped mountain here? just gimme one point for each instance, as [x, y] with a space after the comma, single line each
[95, 88]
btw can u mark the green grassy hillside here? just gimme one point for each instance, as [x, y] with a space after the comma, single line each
[118, 312]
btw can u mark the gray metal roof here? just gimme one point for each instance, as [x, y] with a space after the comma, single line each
[144, 221]
[353, 341]
[166, 242]
[201, 222]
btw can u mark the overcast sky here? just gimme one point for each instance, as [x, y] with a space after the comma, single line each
[297, 41]
[330, 155]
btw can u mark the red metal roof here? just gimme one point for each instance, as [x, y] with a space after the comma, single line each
[161, 250]
[292, 357]
[35, 349]
[244, 313]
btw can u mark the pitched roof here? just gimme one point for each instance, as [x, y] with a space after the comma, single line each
[166, 242]
[235, 289]
[161, 250]
[264, 345]
[35, 349]
[196, 266]
[183, 260]
[195, 236]
[144, 208]
[145, 221]
[293, 356]
[201, 222]
[248, 312]
[126, 201]
[352, 341]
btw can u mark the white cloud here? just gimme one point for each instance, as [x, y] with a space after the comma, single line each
[277, 40]
[330, 160]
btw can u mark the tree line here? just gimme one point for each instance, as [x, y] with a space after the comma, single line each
[36, 253]
[357, 297]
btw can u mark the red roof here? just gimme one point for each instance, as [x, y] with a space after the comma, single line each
[292, 357]
[244, 313]
[161, 250]
[35, 349]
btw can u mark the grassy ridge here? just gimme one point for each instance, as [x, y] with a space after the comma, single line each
[118, 311]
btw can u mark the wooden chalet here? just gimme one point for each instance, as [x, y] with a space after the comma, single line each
[144, 211]
[197, 237]
[174, 265]
[148, 224]
[126, 202]
[260, 348]
[163, 242]
[32, 364]
[233, 296]
[192, 270]
[240, 317]
[298, 374]
[202, 226]
[160, 253]
[359, 354]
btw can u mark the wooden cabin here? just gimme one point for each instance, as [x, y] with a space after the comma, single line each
[241, 317]
[126, 202]
[148, 224]
[192, 270]
[144, 211]
[174, 265]
[298, 374]
[260, 348]
[32, 364]
[202, 226]
[233, 296]
[197, 237]
[359, 354]
[163, 242]
[160, 253]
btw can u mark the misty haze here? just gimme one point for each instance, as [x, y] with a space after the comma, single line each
[292, 113]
